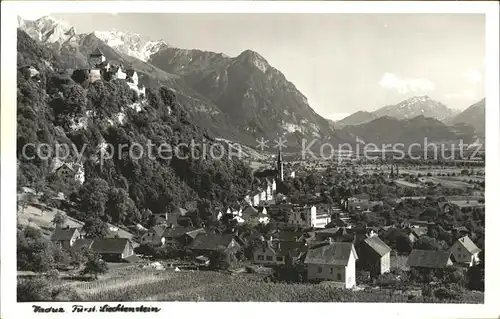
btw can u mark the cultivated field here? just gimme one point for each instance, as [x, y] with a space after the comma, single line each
[149, 285]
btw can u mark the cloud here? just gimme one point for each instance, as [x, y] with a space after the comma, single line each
[464, 95]
[391, 81]
[473, 76]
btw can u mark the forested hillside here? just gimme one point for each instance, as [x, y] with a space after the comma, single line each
[96, 118]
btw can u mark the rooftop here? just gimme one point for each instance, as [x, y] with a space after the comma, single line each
[469, 245]
[61, 234]
[377, 245]
[109, 245]
[428, 258]
[336, 253]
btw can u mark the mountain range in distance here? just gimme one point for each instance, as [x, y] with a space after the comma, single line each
[244, 98]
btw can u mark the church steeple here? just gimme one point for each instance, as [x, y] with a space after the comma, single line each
[280, 166]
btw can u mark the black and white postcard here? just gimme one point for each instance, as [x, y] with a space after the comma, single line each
[289, 157]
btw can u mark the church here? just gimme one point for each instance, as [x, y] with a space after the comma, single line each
[277, 173]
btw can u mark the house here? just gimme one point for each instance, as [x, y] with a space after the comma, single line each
[307, 216]
[307, 237]
[274, 253]
[374, 255]
[463, 205]
[180, 235]
[429, 259]
[95, 75]
[249, 211]
[465, 252]
[273, 185]
[71, 171]
[460, 230]
[358, 234]
[30, 72]
[65, 237]
[153, 236]
[416, 233]
[332, 261]
[253, 198]
[234, 210]
[361, 205]
[82, 243]
[121, 73]
[132, 76]
[113, 249]
[172, 218]
[262, 216]
[286, 235]
[345, 234]
[209, 243]
[112, 70]
[259, 214]
[325, 234]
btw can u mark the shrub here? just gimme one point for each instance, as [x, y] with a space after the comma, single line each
[445, 293]
[52, 274]
[29, 290]
[65, 293]
[362, 277]
[94, 265]
[34, 252]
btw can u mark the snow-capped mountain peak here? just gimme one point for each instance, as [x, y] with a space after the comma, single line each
[51, 30]
[415, 106]
[47, 29]
[131, 44]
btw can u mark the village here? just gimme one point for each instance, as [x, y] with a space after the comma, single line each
[335, 237]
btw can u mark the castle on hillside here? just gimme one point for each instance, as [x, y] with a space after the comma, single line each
[107, 70]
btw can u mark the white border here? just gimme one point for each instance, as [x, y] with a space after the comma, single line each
[10, 309]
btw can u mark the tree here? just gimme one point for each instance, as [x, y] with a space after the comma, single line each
[34, 252]
[94, 195]
[120, 207]
[475, 274]
[403, 243]
[48, 198]
[78, 257]
[429, 213]
[40, 186]
[59, 220]
[61, 256]
[95, 228]
[426, 243]
[94, 265]
[219, 260]
[24, 201]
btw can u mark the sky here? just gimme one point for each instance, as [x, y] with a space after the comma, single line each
[342, 63]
